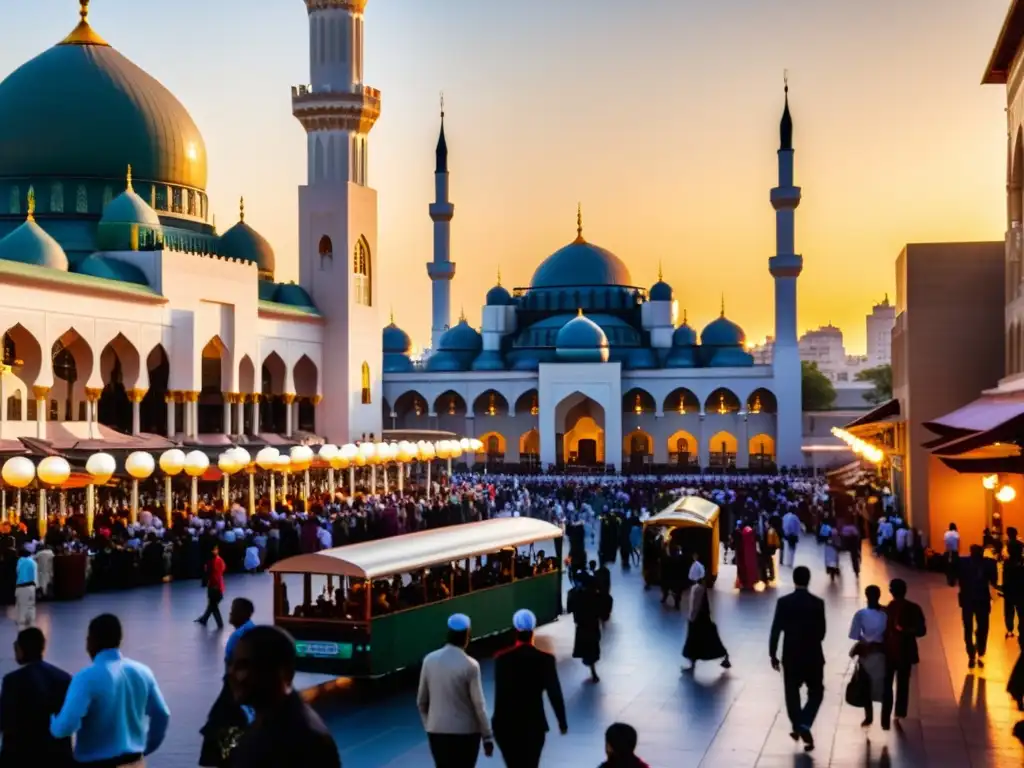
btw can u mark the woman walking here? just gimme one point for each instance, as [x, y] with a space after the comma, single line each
[702, 640]
[584, 605]
[831, 539]
[868, 633]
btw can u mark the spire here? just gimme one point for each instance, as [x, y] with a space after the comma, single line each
[579, 224]
[722, 311]
[685, 321]
[128, 179]
[241, 209]
[83, 34]
[499, 277]
[659, 271]
[442, 146]
[31, 204]
[786, 126]
[579, 312]
[462, 314]
[392, 315]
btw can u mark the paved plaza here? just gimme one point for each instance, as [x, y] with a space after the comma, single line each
[732, 719]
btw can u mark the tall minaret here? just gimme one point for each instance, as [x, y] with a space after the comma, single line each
[442, 269]
[785, 267]
[338, 262]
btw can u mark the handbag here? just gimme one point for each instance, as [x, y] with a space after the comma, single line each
[858, 690]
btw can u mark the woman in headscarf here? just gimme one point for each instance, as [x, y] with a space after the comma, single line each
[702, 640]
[867, 630]
[747, 572]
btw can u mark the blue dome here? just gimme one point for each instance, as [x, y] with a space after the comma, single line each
[396, 363]
[30, 244]
[722, 332]
[129, 208]
[661, 291]
[498, 297]
[461, 338]
[444, 361]
[266, 290]
[110, 269]
[580, 264]
[489, 360]
[581, 340]
[683, 357]
[641, 359]
[293, 295]
[244, 243]
[526, 363]
[396, 341]
[730, 357]
[684, 336]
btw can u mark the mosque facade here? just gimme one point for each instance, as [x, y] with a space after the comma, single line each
[128, 319]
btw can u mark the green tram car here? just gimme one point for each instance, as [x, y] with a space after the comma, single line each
[479, 569]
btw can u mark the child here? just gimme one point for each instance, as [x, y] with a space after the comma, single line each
[619, 746]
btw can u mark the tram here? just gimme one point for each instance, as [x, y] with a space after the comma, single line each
[383, 605]
[691, 522]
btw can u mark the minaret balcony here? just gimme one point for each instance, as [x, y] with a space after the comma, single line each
[323, 109]
[441, 270]
[786, 265]
[442, 211]
[785, 197]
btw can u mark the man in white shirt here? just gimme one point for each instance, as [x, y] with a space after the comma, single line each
[791, 533]
[951, 542]
[451, 701]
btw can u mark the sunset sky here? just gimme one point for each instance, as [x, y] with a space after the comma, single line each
[659, 116]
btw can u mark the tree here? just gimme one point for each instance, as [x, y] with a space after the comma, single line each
[881, 379]
[818, 393]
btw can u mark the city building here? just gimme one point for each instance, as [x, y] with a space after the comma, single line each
[879, 333]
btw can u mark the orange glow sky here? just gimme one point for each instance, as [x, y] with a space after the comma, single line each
[661, 117]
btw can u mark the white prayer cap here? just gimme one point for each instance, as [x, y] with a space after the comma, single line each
[458, 622]
[696, 571]
[524, 621]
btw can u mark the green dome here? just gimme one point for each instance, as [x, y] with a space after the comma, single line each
[110, 269]
[30, 244]
[244, 243]
[293, 295]
[82, 110]
[129, 208]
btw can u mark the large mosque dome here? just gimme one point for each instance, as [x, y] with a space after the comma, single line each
[581, 264]
[80, 112]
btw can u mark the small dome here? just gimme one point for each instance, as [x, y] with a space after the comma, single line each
[293, 295]
[129, 208]
[640, 359]
[684, 336]
[441, 362]
[722, 332]
[110, 269]
[661, 291]
[526, 363]
[581, 340]
[30, 244]
[461, 338]
[683, 357]
[731, 357]
[244, 243]
[580, 264]
[489, 360]
[396, 340]
[498, 297]
[396, 363]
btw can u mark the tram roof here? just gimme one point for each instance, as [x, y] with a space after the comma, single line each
[687, 510]
[414, 551]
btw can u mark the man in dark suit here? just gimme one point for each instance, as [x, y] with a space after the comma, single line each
[977, 575]
[30, 696]
[800, 616]
[904, 626]
[1013, 583]
[521, 676]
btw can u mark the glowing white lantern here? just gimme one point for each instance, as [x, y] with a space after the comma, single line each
[53, 470]
[101, 467]
[172, 462]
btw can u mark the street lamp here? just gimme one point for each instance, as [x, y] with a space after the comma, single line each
[139, 465]
[196, 464]
[18, 472]
[53, 470]
[101, 467]
[266, 460]
[172, 463]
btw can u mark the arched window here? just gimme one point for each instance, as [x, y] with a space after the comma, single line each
[15, 204]
[14, 406]
[682, 445]
[82, 199]
[493, 446]
[361, 270]
[326, 251]
[57, 198]
[366, 399]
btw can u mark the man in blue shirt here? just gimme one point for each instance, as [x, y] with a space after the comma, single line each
[239, 617]
[227, 720]
[114, 706]
[25, 590]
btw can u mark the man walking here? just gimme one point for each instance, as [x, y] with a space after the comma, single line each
[791, 535]
[977, 575]
[30, 696]
[1013, 583]
[26, 579]
[451, 701]
[800, 617]
[214, 588]
[521, 676]
[227, 720]
[904, 625]
[114, 707]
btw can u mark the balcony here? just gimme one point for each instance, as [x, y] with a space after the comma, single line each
[363, 98]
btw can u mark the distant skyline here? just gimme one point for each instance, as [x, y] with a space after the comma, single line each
[662, 121]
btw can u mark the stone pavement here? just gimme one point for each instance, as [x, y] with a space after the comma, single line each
[712, 718]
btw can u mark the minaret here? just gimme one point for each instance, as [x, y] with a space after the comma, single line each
[785, 267]
[441, 270]
[338, 264]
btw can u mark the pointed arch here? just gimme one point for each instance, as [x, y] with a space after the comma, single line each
[216, 375]
[493, 448]
[362, 272]
[722, 401]
[529, 446]
[246, 375]
[683, 448]
[366, 395]
[582, 420]
[120, 369]
[72, 360]
[273, 373]
[490, 403]
[637, 448]
[153, 409]
[761, 452]
[528, 402]
[723, 447]
[411, 410]
[306, 377]
[681, 401]
[762, 400]
[638, 401]
[23, 352]
[450, 403]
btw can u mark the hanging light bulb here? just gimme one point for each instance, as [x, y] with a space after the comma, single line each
[989, 482]
[1006, 494]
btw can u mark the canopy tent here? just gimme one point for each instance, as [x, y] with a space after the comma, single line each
[415, 551]
[888, 412]
[686, 511]
[984, 430]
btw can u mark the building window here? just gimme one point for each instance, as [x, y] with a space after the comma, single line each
[176, 200]
[161, 198]
[366, 399]
[15, 204]
[361, 270]
[82, 199]
[14, 406]
[32, 411]
[57, 198]
[191, 203]
[326, 251]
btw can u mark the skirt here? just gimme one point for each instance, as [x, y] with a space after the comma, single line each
[874, 665]
[587, 645]
[703, 642]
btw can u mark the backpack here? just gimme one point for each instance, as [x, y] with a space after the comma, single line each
[772, 538]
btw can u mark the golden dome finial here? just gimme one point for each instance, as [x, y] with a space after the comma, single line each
[128, 179]
[684, 316]
[392, 315]
[659, 271]
[722, 312]
[241, 209]
[579, 312]
[462, 314]
[83, 34]
[499, 277]
[579, 223]
[31, 204]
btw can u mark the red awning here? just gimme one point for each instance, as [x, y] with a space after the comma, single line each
[887, 411]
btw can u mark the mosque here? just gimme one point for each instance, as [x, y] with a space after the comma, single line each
[129, 321]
